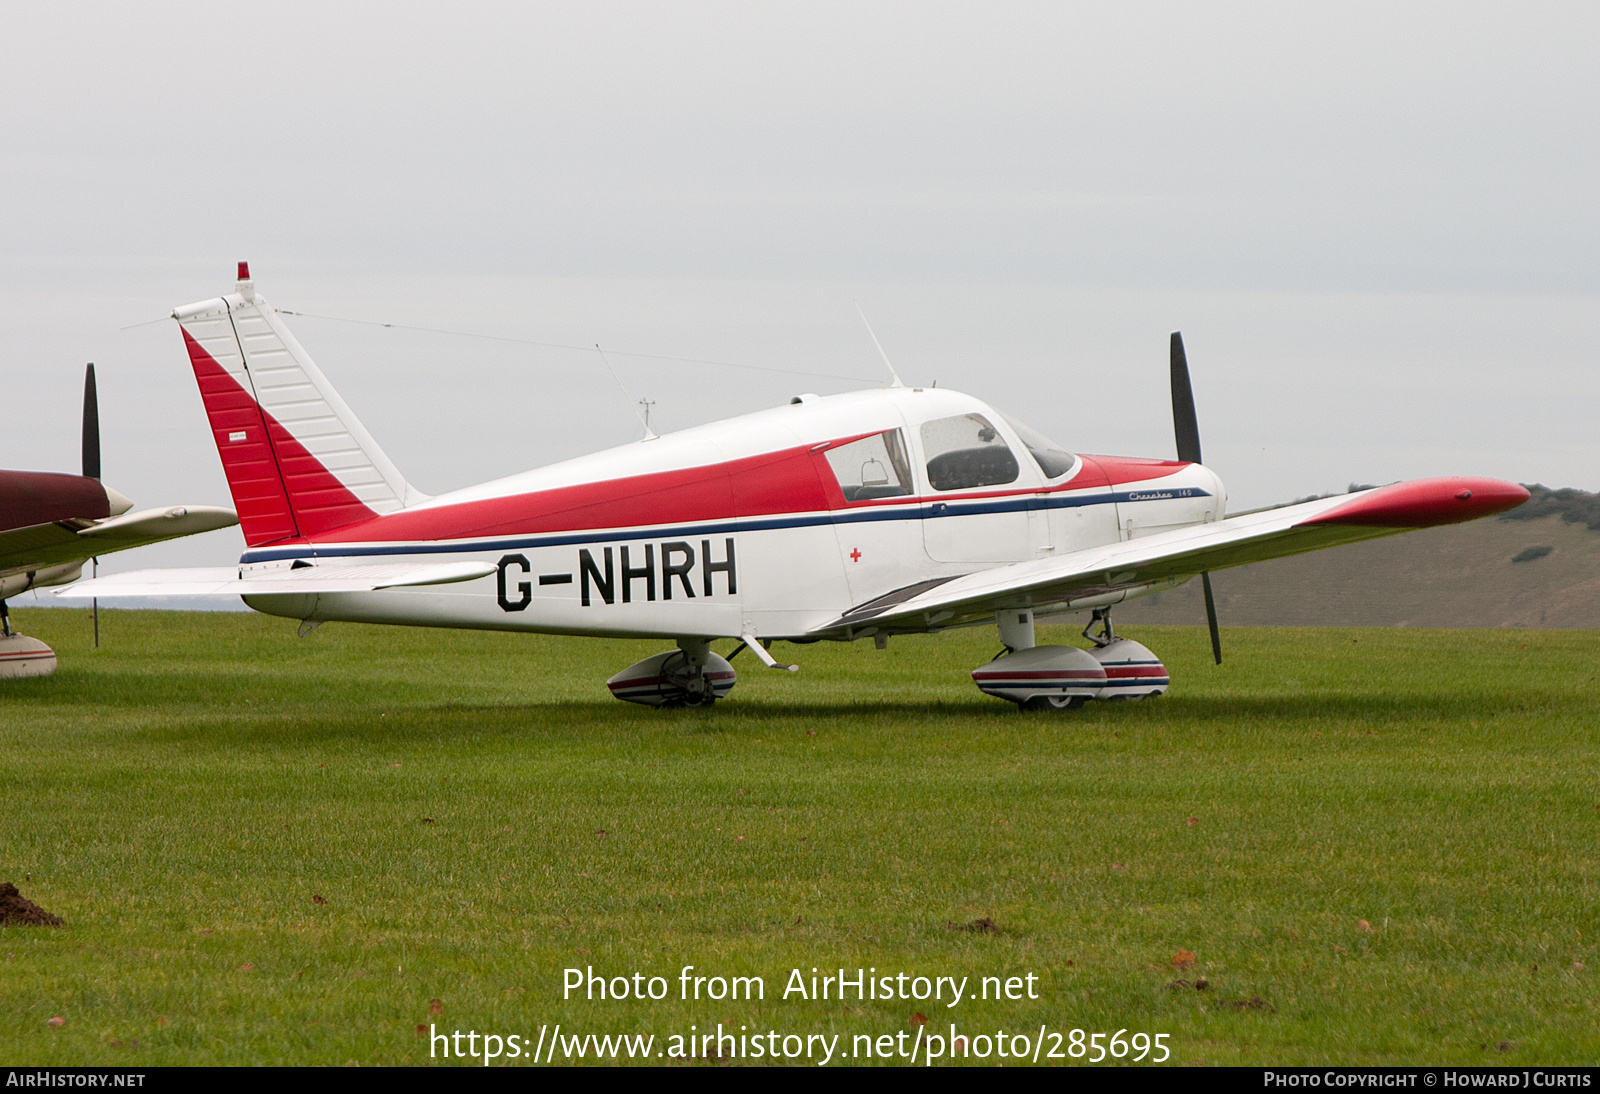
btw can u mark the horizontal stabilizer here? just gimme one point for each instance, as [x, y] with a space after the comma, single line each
[312, 578]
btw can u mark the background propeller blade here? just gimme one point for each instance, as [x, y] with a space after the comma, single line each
[1211, 618]
[1186, 426]
[91, 426]
[1184, 422]
[91, 460]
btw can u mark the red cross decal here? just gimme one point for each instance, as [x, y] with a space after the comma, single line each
[855, 554]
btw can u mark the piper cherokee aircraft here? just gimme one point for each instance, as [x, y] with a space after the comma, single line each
[51, 524]
[864, 515]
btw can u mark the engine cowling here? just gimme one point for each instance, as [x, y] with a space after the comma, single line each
[1055, 676]
[670, 680]
[1132, 671]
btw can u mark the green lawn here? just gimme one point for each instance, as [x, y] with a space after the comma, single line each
[179, 796]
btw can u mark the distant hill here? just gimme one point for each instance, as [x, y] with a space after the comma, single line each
[1463, 575]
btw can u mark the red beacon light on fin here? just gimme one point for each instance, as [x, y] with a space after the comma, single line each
[247, 289]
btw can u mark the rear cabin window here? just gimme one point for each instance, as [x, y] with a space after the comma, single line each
[966, 452]
[873, 467]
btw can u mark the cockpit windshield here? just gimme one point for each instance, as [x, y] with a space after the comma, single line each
[1052, 459]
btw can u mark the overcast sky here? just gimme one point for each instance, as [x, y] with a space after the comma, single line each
[1375, 223]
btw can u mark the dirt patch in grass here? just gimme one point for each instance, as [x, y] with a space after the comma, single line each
[977, 926]
[17, 910]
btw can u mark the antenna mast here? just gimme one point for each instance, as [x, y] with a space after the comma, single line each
[879, 344]
[645, 417]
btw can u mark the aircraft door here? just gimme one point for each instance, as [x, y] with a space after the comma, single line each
[876, 514]
[965, 518]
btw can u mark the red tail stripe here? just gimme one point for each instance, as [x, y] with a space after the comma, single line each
[279, 489]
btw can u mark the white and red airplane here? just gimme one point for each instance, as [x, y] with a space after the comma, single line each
[864, 515]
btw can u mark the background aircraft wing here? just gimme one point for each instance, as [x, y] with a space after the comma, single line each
[153, 526]
[308, 578]
[1104, 575]
[41, 546]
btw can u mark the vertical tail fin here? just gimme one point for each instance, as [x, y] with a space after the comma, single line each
[298, 461]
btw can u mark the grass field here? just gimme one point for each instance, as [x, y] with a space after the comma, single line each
[180, 795]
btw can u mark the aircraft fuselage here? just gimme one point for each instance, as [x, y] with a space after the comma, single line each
[770, 524]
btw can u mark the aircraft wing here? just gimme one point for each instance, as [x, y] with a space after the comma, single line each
[41, 546]
[1108, 574]
[308, 578]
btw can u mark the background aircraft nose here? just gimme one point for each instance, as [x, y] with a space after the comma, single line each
[117, 501]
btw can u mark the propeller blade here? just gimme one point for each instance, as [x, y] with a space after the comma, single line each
[91, 426]
[1211, 618]
[1186, 426]
[1184, 422]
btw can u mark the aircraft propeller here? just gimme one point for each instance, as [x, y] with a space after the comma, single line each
[1186, 425]
[91, 461]
[91, 426]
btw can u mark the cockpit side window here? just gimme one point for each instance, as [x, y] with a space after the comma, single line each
[965, 452]
[1052, 459]
[873, 467]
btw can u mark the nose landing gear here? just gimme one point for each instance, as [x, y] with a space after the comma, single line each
[1132, 671]
[1065, 677]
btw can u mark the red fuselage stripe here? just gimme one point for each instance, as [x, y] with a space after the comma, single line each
[793, 480]
[283, 492]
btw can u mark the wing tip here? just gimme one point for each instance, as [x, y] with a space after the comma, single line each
[1425, 503]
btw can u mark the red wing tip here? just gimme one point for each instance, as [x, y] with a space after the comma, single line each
[1425, 503]
[244, 271]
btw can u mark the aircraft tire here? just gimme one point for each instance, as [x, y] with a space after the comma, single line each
[692, 697]
[1057, 703]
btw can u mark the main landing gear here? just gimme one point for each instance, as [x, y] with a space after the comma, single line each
[1066, 677]
[689, 676]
